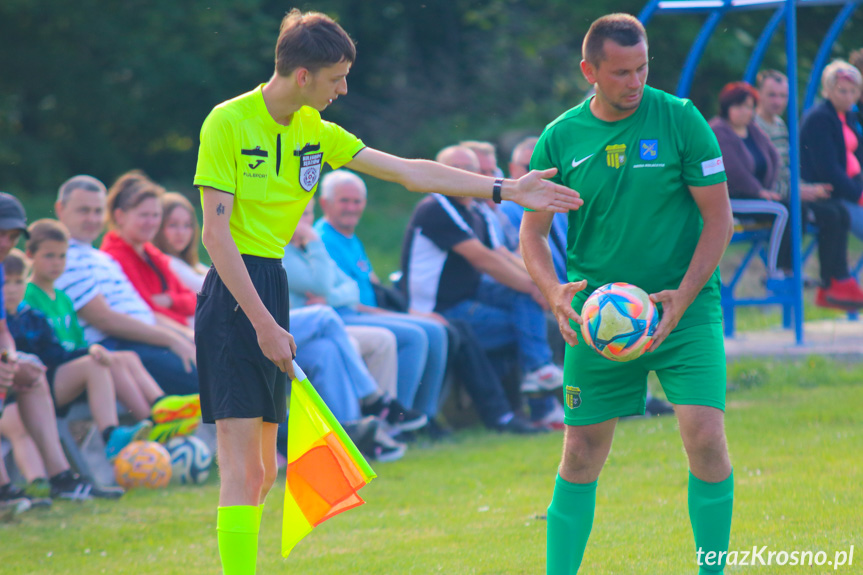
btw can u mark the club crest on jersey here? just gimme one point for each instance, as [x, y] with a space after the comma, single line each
[310, 170]
[573, 396]
[616, 155]
[648, 149]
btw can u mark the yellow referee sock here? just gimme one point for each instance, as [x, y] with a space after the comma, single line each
[238, 527]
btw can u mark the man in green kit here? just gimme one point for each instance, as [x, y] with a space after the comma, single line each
[656, 214]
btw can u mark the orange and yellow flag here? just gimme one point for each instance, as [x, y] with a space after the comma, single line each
[325, 468]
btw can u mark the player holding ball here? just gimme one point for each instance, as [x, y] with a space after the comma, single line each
[656, 214]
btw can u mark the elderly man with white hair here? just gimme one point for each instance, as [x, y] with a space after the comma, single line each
[831, 140]
[422, 340]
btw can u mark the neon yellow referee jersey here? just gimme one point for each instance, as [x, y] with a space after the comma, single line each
[272, 170]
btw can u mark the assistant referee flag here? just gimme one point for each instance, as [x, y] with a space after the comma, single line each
[325, 468]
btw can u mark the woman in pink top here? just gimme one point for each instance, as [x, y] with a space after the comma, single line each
[831, 140]
[134, 215]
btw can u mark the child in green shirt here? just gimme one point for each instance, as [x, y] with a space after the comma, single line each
[136, 389]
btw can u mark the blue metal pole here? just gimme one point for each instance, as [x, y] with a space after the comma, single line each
[794, 158]
[824, 52]
[647, 12]
[763, 44]
[697, 50]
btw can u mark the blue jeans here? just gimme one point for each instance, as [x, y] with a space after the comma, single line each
[326, 354]
[501, 316]
[422, 352]
[162, 363]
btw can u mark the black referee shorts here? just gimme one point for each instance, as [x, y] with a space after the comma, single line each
[235, 377]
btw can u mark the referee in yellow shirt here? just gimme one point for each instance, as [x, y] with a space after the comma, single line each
[258, 165]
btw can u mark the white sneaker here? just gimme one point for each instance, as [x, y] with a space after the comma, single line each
[547, 378]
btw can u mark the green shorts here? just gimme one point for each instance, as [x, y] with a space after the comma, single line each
[690, 365]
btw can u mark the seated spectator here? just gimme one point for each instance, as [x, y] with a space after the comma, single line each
[135, 388]
[316, 279]
[330, 361]
[545, 409]
[134, 216]
[751, 163]
[109, 308]
[314, 274]
[422, 341]
[23, 379]
[447, 249]
[69, 373]
[751, 166]
[178, 238]
[772, 103]
[519, 165]
[504, 229]
[831, 140]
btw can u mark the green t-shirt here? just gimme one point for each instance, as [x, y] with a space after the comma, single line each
[60, 314]
[272, 170]
[639, 222]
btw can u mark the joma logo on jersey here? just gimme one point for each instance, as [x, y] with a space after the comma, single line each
[616, 155]
[257, 154]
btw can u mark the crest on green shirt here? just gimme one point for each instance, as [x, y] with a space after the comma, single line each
[616, 155]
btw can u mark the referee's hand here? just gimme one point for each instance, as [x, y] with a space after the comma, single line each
[533, 190]
[279, 347]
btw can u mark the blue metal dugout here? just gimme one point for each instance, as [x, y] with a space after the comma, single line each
[785, 11]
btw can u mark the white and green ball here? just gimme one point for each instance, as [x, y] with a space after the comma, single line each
[190, 460]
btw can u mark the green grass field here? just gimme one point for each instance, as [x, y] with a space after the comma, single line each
[475, 505]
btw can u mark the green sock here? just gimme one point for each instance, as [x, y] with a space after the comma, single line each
[260, 515]
[238, 527]
[710, 514]
[570, 519]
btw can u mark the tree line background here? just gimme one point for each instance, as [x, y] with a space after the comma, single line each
[102, 87]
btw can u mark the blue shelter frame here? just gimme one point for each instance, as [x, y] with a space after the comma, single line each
[785, 11]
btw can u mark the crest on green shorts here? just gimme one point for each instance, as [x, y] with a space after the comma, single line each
[573, 396]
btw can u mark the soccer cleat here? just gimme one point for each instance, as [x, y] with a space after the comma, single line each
[547, 378]
[124, 435]
[72, 487]
[164, 432]
[173, 407]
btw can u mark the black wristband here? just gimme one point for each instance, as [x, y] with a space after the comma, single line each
[495, 191]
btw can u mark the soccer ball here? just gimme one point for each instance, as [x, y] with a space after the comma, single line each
[190, 459]
[143, 464]
[619, 321]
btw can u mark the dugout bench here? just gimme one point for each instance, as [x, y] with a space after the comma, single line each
[779, 291]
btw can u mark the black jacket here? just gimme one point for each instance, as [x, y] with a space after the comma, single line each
[822, 151]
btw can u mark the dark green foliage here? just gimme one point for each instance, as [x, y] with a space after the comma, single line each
[102, 87]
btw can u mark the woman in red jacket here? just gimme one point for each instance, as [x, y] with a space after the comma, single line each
[134, 216]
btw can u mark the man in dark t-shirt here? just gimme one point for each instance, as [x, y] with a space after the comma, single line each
[448, 248]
